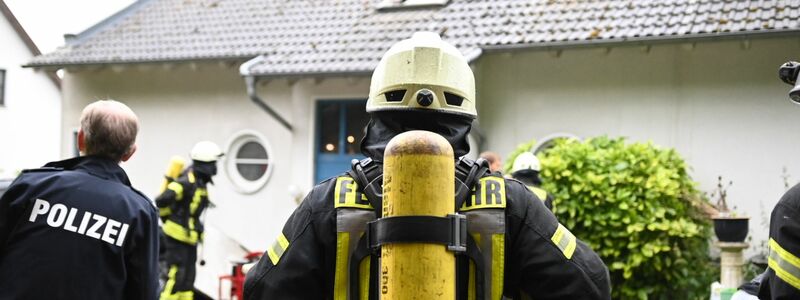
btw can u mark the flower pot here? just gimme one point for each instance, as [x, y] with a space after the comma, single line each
[731, 229]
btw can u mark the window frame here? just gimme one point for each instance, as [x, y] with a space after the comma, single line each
[545, 142]
[239, 182]
[3, 75]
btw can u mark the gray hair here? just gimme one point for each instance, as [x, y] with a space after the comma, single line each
[109, 129]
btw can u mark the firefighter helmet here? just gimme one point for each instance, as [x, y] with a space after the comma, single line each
[423, 73]
[206, 151]
[526, 161]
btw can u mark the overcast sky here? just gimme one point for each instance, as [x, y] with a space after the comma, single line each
[46, 21]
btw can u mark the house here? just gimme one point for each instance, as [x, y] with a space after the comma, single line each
[30, 103]
[282, 85]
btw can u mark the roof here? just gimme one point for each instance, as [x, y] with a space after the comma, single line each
[18, 28]
[26, 39]
[349, 36]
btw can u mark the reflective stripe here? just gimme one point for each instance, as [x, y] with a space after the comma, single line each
[489, 192]
[180, 233]
[164, 211]
[185, 295]
[540, 193]
[342, 257]
[471, 281]
[167, 293]
[785, 264]
[346, 194]
[350, 226]
[278, 248]
[197, 199]
[363, 271]
[498, 264]
[487, 227]
[565, 241]
[177, 188]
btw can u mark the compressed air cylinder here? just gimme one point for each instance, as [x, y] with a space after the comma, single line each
[176, 164]
[418, 180]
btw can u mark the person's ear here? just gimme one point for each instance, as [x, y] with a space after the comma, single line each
[129, 154]
[81, 142]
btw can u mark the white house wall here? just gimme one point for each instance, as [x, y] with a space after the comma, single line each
[720, 104]
[29, 120]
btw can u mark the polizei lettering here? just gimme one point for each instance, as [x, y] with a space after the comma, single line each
[92, 225]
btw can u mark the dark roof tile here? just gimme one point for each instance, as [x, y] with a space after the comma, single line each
[350, 35]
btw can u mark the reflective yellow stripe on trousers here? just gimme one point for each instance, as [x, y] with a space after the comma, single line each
[166, 294]
[785, 264]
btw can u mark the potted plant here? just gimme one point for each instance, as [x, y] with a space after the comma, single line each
[728, 225]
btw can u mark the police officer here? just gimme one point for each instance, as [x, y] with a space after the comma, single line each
[526, 169]
[76, 229]
[180, 207]
[782, 279]
[423, 83]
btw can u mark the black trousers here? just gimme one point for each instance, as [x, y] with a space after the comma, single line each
[179, 259]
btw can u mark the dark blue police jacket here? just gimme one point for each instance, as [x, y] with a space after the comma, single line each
[76, 229]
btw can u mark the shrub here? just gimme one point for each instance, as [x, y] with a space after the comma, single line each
[637, 207]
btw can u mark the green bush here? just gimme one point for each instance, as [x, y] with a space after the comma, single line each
[639, 210]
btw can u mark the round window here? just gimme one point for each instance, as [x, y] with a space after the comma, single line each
[248, 163]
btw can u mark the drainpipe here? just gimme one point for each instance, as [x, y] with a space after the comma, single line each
[251, 80]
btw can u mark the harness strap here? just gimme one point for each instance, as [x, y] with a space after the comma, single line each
[361, 171]
[475, 171]
[450, 231]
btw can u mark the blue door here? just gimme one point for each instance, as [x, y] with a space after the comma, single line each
[340, 128]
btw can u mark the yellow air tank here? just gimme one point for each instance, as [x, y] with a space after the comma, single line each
[176, 164]
[419, 177]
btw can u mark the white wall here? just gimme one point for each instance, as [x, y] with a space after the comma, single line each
[720, 104]
[29, 120]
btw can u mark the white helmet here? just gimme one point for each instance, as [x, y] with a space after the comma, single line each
[423, 73]
[526, 161]
[206, 151]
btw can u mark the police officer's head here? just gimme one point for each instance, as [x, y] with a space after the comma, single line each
[108, 128]
[421, 83]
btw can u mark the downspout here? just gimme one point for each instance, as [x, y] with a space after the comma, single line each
[250, 80]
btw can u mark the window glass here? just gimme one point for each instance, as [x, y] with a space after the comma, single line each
[356, 119]
[252, 161]
[329, 134]
[249, 163]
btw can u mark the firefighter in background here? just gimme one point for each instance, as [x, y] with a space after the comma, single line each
[526, 169]
[180, 207]
[423, 83]
[782, 278]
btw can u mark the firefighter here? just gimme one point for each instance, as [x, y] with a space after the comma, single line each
[180, 207]
[782, 279]
[526, 169]
[76, 228]
[517, 247]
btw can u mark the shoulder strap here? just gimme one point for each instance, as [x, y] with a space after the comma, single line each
[467, 175]
[369, 178]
